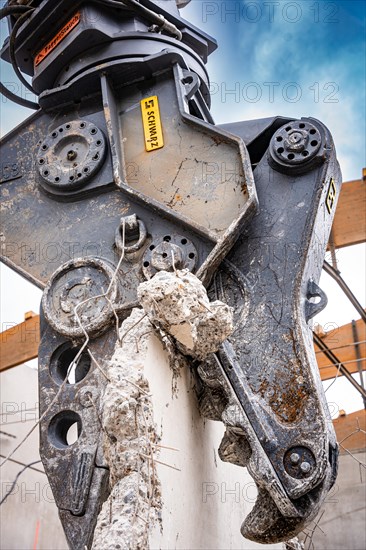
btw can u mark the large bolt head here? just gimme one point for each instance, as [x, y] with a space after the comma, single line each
[296, 141]
[305, 467]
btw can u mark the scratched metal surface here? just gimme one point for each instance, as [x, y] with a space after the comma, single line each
[269, 360]
[41, 232]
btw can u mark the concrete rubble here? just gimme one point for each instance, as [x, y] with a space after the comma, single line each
[178, 304]
[130, 437]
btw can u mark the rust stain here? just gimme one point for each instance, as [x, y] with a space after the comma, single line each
[218, 140]
[284, 387]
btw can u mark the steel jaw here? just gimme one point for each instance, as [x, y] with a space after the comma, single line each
[264, 383]
[77, 471]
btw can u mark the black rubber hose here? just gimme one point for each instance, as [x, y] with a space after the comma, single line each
[12, 46]
[5, 12]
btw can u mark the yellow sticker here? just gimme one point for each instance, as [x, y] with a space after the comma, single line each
[331, 195]
[57, 39]
[152, 124]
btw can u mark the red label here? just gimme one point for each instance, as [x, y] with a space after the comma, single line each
[57, 39]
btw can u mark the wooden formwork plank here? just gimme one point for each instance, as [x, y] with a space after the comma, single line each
[349, 225]
[19, 343]
[340, 340]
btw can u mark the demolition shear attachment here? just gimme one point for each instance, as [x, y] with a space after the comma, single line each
[120, 174]
[264, 383]
[115, 229]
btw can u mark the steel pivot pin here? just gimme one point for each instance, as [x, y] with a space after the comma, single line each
[305, 467]
[294, 458]
[296, 145]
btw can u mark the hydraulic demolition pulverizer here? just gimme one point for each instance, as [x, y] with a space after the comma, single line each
[121, 173]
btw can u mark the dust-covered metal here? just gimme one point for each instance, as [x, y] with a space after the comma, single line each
[70, 155]
[270, 279]
[122, 175]
[70, 430]
[75, 302]
[134, 231]
[171, 252]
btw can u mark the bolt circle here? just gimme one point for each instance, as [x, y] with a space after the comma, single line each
[59, 150]
[163, 256]
[295, 144]
[159, 255]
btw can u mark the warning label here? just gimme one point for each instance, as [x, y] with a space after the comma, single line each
[57, 39]
[331, 195]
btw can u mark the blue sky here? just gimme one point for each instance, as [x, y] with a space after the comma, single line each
[299, 58]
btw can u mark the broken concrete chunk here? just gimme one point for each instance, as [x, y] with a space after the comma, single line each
[178, 304]
[129, 438]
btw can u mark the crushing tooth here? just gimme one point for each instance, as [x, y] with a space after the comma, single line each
[234, 448]
[81, 527]
[265, 524]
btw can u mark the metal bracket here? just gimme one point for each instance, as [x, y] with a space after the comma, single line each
[312, 308]
[134, 229]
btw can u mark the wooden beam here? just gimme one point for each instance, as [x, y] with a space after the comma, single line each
[340, 341]
[349, 225]
[19, 343]
[348, 430]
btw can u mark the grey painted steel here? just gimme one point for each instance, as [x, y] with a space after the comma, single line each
[194, 200]
[269, 360]
[71, 155]
[99, 29]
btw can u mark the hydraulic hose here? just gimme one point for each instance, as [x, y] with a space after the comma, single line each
[5, 12]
